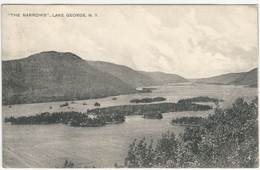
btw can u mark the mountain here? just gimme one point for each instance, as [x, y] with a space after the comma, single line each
[221, 79]
[248, 78]
[137, 78]
[53, 76]
[165, 78]
[244, 78]
[126, 74]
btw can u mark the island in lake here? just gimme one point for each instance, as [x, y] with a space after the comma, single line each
[148, 100]
[143, 109]
[67, 118]
[200, 99]
[153, 116]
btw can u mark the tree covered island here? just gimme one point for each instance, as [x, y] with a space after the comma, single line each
[200, 99]
[146, 90]
[143, 109]
[153, 115]
[148, 100]
[75, 119]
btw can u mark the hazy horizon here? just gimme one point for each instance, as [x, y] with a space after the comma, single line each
[193, 41]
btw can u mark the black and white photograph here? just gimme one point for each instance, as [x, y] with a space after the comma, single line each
[130, 86]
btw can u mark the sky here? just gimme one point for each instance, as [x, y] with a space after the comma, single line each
[193, 41]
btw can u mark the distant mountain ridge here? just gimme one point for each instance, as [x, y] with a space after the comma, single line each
[53, 76]
[249, 78]
[165, 78]
[137, 78]
[220, 79]
[126, 74]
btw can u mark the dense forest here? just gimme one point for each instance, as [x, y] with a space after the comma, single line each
[148, 100]
[149, 108]
[226, 139]
[188, 121]
[68, 118]
[153, 116]
[200, 99]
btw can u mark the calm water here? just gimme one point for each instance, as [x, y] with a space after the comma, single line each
[51, 145]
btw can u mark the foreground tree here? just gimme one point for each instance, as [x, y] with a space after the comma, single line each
[227, 139]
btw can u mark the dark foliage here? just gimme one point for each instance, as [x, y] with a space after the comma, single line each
[144, 91]
[68, 118]
[147, 88]
[200, 99]
[97, 104]
[153, 116]
[68, 164]
[149, 108]
[148, 100]
[227, 139]
[188, 121]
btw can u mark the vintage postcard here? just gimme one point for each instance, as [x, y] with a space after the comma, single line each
[130, 86]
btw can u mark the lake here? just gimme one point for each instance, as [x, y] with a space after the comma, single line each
[46, 146]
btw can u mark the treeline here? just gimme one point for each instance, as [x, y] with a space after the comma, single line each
[200, 99]
[70, 164]
[148, 100]
[68, 118]
[149, 108]
[153, 116]
[227, 139]
[149, 88]
[188, 121]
